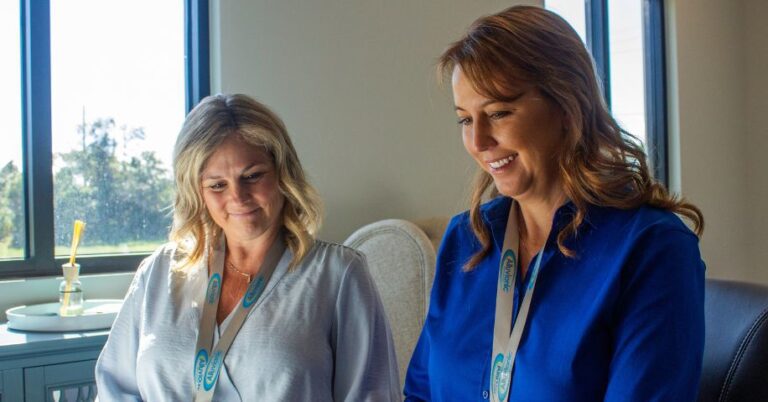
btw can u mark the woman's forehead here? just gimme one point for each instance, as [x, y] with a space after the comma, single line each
[493, 85]
[235, 154]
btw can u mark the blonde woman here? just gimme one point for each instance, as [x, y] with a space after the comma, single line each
[576, 281]
[244, 303]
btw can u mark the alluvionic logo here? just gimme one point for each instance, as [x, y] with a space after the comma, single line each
[254, 290]
[508, 264]
[212, 371]
[214, 285]
[501, 376]
[201, 360]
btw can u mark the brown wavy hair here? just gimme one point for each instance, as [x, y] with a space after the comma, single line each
[214, 119]
[599, 163]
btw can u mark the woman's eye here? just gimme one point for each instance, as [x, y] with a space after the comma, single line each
[253, 176]
[464, 121]
[499, 115]
[216, 186]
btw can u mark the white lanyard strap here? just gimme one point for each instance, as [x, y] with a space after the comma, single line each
[505, 345]
[209, 358]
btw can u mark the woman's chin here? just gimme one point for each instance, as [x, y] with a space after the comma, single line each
[244, 233]
[511, 190]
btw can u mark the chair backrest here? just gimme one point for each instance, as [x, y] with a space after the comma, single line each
[735, 366]
[401, 259]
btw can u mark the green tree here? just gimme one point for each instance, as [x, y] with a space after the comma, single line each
[122, 199]
[11, 206]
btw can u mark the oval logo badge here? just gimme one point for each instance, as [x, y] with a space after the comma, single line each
[254, 290]
[501, 376]
[506, 270]
[212, 371]
[214, 286]
[201, 360]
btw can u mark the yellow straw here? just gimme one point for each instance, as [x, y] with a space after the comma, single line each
[79, 226]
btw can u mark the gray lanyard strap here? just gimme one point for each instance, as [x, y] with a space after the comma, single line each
[505, 345]
[209, 358]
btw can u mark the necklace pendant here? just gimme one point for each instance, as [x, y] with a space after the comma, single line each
[233, 268]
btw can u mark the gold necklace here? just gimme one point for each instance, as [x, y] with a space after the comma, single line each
[233, 268]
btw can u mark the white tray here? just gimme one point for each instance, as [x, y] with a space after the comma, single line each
[97, 314]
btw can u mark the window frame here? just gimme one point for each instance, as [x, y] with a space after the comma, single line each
[654, 67]
[655, 63]
[37, 160]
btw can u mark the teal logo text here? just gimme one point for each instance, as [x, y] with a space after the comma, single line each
[506, 270]
[201, 360]
[254, 291]
[214, 286]
[212, 371]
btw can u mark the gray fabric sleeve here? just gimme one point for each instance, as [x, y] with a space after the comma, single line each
[116, 367]
[365, 366]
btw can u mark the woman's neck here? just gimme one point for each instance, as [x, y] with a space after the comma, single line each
[248, 256]
[536, 217]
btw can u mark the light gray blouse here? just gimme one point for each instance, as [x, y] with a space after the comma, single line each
[318, 333]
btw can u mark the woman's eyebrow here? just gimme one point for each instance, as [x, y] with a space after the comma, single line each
[514, 97]
[245, 169]
[492, 101]
[253, 165]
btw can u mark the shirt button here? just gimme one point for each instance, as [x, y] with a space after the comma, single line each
[485, 394]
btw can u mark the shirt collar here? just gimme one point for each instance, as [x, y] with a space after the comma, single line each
[497, 212]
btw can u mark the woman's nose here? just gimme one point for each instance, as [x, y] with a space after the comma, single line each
[482, 136]
[239, 193]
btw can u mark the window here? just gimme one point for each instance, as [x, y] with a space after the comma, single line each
[626, 39]
[104, 89]
[12, 236]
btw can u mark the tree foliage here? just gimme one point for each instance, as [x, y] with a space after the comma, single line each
[11, 207]
[122, 198]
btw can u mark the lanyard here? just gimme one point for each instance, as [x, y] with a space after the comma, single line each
[209, 358]
[505, 345]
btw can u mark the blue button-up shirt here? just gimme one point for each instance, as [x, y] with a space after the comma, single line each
[622, 321]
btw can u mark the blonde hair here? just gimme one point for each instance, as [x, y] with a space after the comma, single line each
[599, 163]
[205, 128]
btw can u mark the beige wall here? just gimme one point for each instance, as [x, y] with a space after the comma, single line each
[756, 116]
[354, 82]
[717, 91]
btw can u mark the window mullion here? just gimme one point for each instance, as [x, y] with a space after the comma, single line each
[655, 87]
[196, 53]
[36, 106]
[596, 13]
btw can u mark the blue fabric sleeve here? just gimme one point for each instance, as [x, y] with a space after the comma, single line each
[417, 381]
[658, 329]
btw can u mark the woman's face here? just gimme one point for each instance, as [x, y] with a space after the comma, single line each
[516, 140]
[240, 191]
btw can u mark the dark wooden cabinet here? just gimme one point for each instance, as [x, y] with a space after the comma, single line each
[48, 367]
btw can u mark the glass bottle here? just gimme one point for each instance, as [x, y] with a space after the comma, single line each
[70, 292]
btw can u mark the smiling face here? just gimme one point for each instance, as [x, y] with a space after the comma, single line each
[240, 191]
[515, 140]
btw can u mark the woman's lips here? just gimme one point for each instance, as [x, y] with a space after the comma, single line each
[243, 214]
[499, 165]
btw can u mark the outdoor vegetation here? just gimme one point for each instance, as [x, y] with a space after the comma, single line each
[125, 199]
